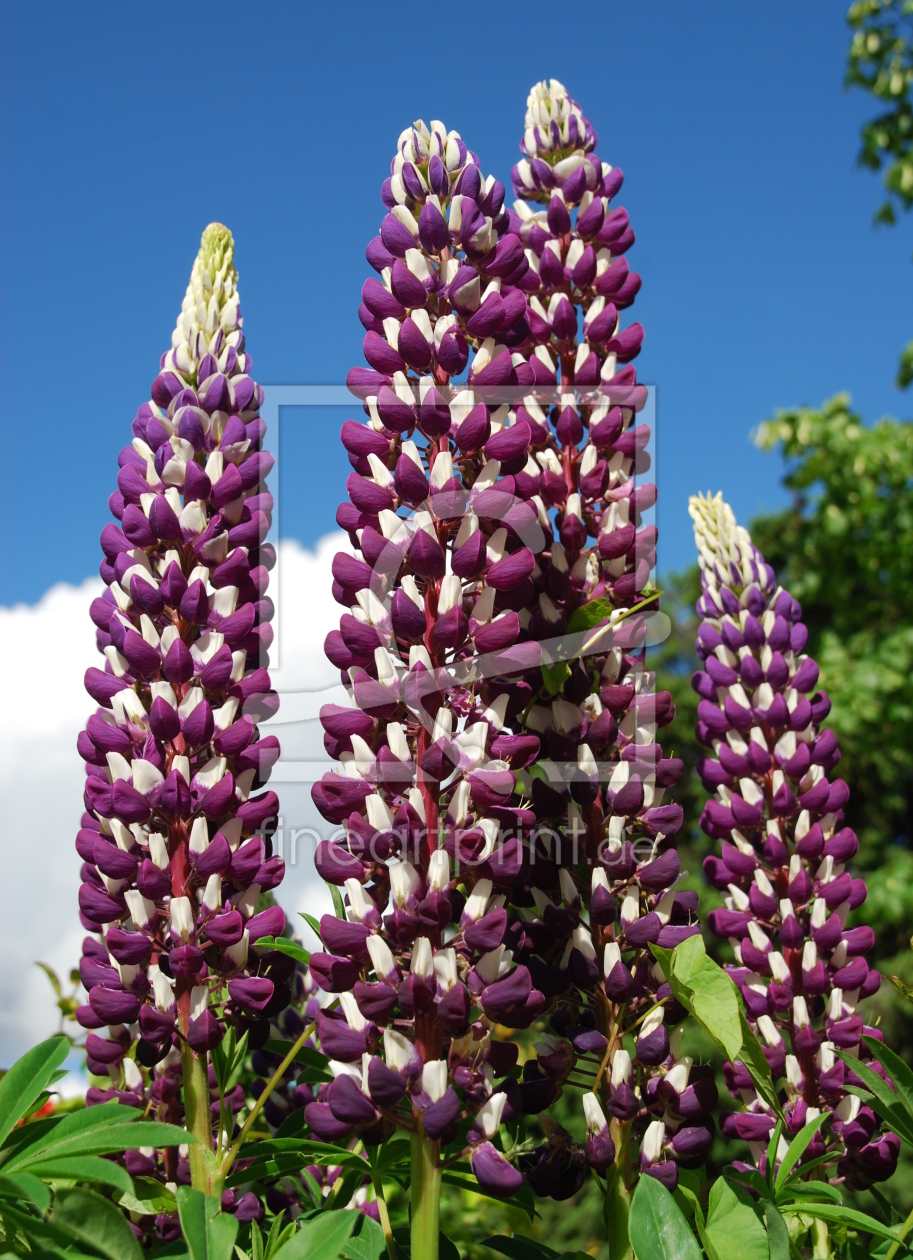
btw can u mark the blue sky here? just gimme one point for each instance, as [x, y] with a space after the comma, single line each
[127, 128]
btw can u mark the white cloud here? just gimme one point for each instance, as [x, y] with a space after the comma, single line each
[46, 649]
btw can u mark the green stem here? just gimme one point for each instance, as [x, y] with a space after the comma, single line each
[426, 1196]
[619, 1190]
[205, 1173]
[378, 1184]
[617, 1211]
[259, 1104]
[901, 1235]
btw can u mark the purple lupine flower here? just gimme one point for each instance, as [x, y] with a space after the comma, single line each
[610, 892]
[777, 811]
[175, 838]
[477, 882]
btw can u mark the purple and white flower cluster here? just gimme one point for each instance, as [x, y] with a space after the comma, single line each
[783, 864]
[503, 844]
[175, 837]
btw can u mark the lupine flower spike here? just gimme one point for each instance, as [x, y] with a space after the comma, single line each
[174, 840]
[777, 812]
[479, 893]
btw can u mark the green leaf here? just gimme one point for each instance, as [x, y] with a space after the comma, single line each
[321, 1238]
[555, 676]
[752, 1057]
[228, 1059]
[777, 1233]
[880, 1097]
[657, 1226]
[811, 1190]
[705, 990]
[841, 1216]
[26, 1079]
[273, 1237]
[797, 1148]
[898, 1071]
[25, 1185]
[367, 1242]
[84, 1168]
[312, 923]
[589, 615]
[36, 1230]
[104, 1141]
[149, 1198]
[96, 1222]
[209, 1232]
[270, 1169]
[734, 1231]
[337, 901]
[85, 1119]
[772, 1147]
[285, 946]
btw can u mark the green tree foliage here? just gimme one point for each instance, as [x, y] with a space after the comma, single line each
[881, 61]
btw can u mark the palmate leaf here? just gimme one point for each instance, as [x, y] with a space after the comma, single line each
[209, 1232]
[84, 1168]
[26, 1186]
[269, 1169]
[228, 1059]
[41, 1234]
[97, 1223]
[753, 1058]
[898, 1071]
[881, 1097]
[772, 1147]
[27, 1078]
[74, 1122]
[797, 1149]
[107, 1140]
[149, 1197]
[777, 1233]
[841, 1216]
[316, 1152]
[321, 1238]
[810, 1190]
